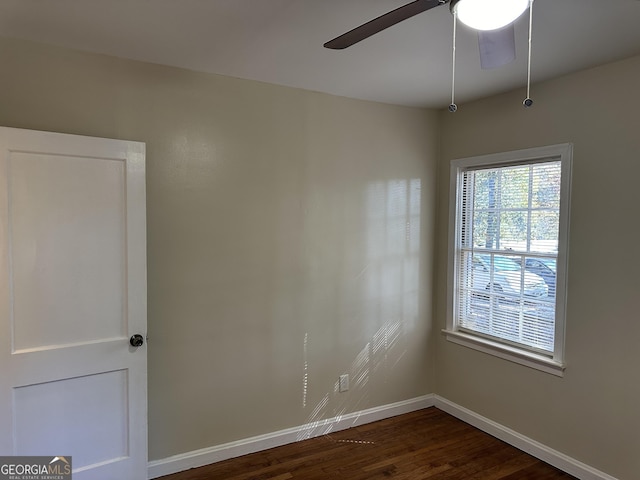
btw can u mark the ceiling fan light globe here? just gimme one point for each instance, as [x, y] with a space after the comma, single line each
[488, 14]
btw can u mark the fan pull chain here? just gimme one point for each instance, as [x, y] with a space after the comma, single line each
[527, 101]
[453, 107]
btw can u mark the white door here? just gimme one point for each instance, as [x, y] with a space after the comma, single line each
[72, 293]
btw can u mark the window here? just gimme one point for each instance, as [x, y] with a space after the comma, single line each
[508, 254]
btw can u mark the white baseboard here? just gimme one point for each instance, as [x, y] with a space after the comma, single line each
[206, 456]
[526, 444]
[217, 453]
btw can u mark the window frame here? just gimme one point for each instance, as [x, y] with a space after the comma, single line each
[554, 362]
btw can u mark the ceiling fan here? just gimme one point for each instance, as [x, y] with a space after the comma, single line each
[492, 18]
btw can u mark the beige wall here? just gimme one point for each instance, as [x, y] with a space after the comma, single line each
[289, 238]
[593, 413]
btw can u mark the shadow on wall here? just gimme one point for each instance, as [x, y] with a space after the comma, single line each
[388, 285]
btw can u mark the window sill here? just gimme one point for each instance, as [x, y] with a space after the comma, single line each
[528, 359]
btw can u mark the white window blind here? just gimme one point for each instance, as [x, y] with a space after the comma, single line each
[509, 233]
[509, 218]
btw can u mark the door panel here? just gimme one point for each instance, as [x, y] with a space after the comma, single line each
[67, 238]
[96, 403]
[72, 292]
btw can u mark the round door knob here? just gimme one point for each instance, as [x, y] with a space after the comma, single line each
[136, 340]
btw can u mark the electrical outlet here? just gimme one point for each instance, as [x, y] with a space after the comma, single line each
[344, 382]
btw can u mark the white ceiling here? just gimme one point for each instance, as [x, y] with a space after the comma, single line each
[280, 41]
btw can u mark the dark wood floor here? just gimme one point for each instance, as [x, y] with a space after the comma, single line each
[427, 444]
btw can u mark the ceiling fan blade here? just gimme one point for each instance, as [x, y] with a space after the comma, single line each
[497, 47]
[381, 23]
